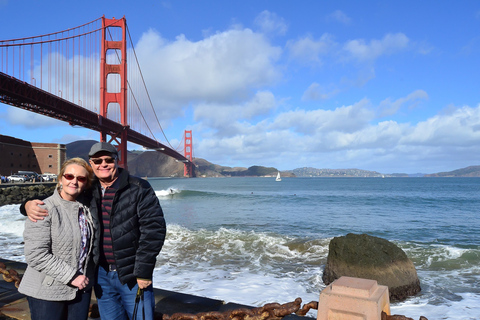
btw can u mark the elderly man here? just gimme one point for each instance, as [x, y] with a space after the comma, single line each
[130, 232]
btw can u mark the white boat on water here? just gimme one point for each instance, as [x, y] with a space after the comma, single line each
[278, 178]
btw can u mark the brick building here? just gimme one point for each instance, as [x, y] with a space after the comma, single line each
[20, 155]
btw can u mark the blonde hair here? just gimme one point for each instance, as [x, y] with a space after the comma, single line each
[78, 161]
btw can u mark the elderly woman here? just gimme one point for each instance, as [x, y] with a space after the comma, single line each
[60, 273]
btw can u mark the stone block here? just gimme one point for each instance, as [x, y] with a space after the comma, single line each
[349, 298]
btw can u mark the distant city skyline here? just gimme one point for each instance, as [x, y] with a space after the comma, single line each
[390, 87]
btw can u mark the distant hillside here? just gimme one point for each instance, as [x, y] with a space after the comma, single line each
[79, 148]
[154, 164]
[472, 171]
[157, 164]
[82, 147]
[313, 172]
[208, 169]
[141, 164]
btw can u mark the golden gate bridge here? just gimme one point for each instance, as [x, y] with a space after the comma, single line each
[79, 76]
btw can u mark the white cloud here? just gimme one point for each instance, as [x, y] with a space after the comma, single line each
[217, 70]
[358, 53]
[271, 23]
[230, 85]
[20, 117]
[424, 47]
[388, 107]
[346, 119]
[223, 118]
[261, 104]
[361, 50]
[339, 16]
[316, 92]
[460, 128]
[348, 136]
[308, 50]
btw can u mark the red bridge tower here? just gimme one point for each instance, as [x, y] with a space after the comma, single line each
[109, 98]
[188, 149]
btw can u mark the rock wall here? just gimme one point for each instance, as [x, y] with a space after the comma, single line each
[20, 193]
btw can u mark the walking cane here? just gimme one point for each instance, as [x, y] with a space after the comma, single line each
[137, 301]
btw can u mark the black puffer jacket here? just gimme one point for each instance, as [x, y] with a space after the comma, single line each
[137, 226]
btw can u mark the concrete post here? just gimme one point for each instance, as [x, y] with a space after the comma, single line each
[350, 298]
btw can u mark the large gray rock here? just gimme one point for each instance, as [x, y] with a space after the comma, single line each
[367, 257]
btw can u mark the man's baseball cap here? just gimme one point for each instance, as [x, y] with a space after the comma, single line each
[103, 147]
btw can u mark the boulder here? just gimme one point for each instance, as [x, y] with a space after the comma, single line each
[368, 257]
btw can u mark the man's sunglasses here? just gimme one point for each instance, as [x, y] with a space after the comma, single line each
[70, 176]
[100, 160]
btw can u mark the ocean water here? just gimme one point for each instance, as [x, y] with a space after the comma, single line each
[254, 240]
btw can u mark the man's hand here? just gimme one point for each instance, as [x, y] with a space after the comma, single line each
[142, 283]
[34, 212]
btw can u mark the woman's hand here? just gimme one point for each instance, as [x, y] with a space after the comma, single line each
[80, 282]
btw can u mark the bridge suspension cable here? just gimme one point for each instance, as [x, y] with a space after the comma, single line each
[59, 62]
[65, 64]
[79, 75]
[148, 95]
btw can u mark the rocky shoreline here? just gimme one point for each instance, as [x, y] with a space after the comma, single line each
[18, 193]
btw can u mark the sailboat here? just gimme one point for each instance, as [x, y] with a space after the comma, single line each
[278, 177]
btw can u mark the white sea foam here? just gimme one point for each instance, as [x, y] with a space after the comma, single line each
[444, 253]
[11, 221]
[167, 192]
[467, 308]
[12, 224]
[239, 286]
[235, 266]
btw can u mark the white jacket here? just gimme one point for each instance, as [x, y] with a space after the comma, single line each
[52, 250]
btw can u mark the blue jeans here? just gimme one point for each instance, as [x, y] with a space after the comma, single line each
[117, 301]
[76, 309]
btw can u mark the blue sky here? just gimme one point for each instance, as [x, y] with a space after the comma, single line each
[390, 86]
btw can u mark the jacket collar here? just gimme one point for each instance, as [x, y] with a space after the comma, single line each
[65, 203]
[122, 179]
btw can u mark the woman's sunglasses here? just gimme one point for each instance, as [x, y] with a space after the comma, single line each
[100, 160]
[69, 176]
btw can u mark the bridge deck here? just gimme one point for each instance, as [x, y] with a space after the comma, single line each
[28, 97]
